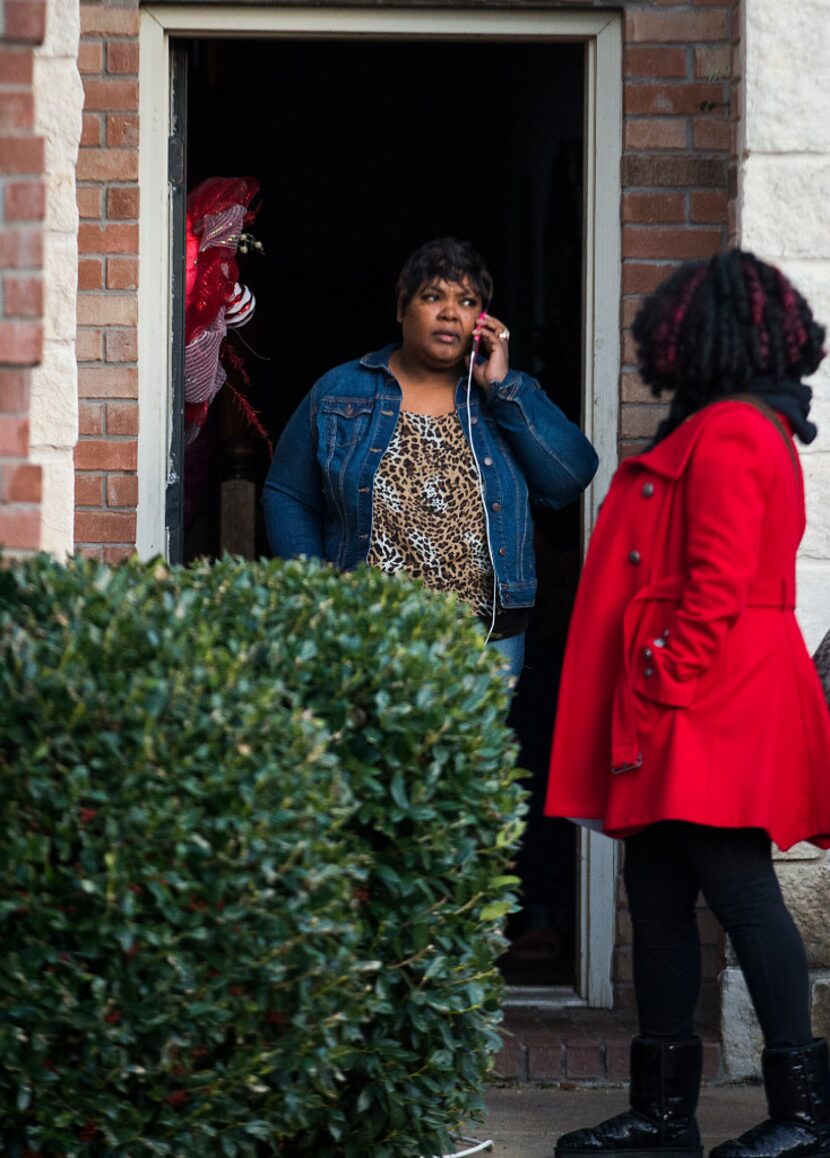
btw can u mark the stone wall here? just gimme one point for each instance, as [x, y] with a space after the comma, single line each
[54, 402]
[784, 217]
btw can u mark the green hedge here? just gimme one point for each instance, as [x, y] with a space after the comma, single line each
[257, 823]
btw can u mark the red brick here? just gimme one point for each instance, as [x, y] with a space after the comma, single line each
[89, 201]
[91, 553]
[122, 490]
[655, 61]
[673, 99]
[629, 308]
[649, 208]
[89, 489]
[90, 273]
[510, 1060]
[90, 130]
[25, 201]
[107, 165]
[122, 56]
[656, 242]
[122, 346]
[655, 133]
[685, 27]
[21, 154]
[21, 343]
[628, 354]
[20, 528]
[617, 1055]
[634, 389]
[21, 248]
[110, 94]
[14, 436]
[16, 64]
[712, 135]
[108, 382]
[17, 112]
[104, 527]
[109, 21]
[122, 203]
[642, 421]
[544, 1058]
[122, 132]
[122, 418]
[115, 555]
[89, 346]
[23, 297]
[106, 309]
[122, 273]
[91, 418]
[583, 1059]
[91, 56]
[713, 61]
[14, 390]
[674, 172]
[22, 484]
[25, 21]
[709, 206]
[643, 277]
[108, 239]
[103, 454]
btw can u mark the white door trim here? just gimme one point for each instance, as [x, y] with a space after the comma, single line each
[601, 33]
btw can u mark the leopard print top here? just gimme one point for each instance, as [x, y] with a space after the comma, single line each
[428, 517]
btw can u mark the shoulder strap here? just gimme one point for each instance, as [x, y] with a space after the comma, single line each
[769, 413]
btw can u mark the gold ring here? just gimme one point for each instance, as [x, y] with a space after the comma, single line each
[504, 335]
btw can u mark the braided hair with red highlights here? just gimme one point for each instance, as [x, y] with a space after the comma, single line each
[714, 326]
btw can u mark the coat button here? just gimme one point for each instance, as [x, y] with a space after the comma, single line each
[660, 642]
[647, 653]
[488, 461]
[502, 551]
[349, 409]
[648, 490]
[496, 506]
[648, 673]
[474, 420]
[634, 558]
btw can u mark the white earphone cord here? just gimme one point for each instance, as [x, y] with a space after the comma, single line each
[481, 490]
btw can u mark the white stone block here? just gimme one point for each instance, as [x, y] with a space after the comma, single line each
[61, 204]
[59, 102]
[787, 91]
[63, 29]
[53, 414]
[742, 1038]
[800, 851]
[816, 541]
[58, 505]
[820, 992]
[813, 610]
[806, 889]
[786, 206]
[60, 287]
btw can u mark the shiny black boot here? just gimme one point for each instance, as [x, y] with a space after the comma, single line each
[797, 1085]
[665, 1082]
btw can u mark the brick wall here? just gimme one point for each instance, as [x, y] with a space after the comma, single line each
[108, 204]
[22, 206]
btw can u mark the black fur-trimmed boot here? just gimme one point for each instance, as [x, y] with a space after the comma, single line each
[665, 1083]
[797, 1085]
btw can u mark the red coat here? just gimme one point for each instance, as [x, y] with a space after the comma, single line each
[687, 691]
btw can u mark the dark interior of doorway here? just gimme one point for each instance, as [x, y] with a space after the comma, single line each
[363, 151]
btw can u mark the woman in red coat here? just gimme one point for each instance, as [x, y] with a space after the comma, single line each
[691, 722]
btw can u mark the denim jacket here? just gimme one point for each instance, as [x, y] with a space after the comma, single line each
[318, 493]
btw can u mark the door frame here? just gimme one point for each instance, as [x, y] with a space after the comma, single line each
[601, 34]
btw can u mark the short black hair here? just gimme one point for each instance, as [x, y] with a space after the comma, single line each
[714, 325]
[447, 259]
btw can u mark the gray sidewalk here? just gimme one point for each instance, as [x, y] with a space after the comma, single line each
[525, 1121]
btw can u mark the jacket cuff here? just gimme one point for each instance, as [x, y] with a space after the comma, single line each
[506, 390]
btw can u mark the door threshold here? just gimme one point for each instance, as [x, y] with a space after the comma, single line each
[542, 997]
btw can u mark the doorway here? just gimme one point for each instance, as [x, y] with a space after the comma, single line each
[351, 181]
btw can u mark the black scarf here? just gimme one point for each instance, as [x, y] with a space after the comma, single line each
[790, 398]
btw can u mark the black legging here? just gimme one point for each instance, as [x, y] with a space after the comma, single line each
[666, 866]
